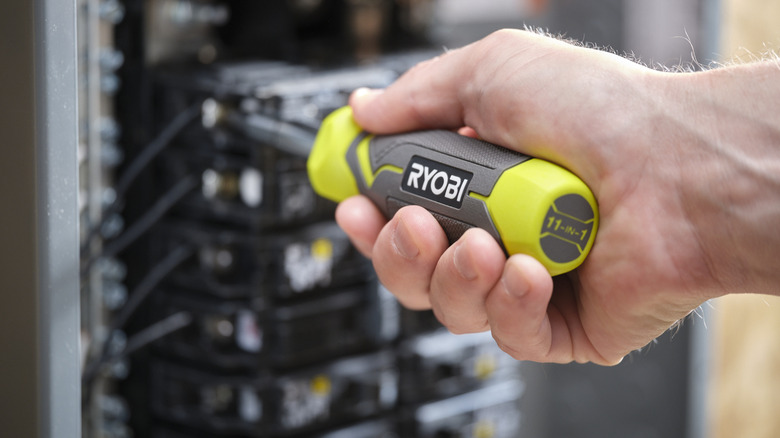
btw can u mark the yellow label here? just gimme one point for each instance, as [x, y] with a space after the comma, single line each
[485, 366]
[322, 249]
[320, 385]
[484, 429]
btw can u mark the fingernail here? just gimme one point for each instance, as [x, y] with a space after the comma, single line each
[403, 243]
[362, 94]
[463, 262]
[514, 282]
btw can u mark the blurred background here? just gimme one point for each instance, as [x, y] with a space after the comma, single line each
[216, 297]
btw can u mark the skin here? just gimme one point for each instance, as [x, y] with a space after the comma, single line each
[685, 167]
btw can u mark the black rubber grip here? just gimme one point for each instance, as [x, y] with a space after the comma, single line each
[453, 228]
[448, 143]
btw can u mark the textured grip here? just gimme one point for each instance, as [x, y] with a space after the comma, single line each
[453, 228]
[448, 143]
[440, 171]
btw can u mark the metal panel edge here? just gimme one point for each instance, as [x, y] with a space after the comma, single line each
[56, 113]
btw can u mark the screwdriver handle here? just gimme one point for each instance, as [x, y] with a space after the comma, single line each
[528, 205]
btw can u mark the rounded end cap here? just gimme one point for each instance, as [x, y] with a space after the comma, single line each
[543, 210]
[327, 166]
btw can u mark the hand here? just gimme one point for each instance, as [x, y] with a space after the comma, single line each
[654, 149]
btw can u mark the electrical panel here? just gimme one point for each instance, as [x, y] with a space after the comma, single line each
[219, 297]
[225, 300]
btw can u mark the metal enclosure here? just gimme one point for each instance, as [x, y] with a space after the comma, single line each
[39, 301]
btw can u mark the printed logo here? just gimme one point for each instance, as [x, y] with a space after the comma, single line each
[567, 229]
[436, 181]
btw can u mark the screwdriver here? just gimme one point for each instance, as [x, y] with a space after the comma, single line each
[529, 205]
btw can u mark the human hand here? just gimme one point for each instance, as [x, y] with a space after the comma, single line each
[656, 171]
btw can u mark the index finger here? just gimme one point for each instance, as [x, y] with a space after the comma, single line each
[528, 92]
[472, 86]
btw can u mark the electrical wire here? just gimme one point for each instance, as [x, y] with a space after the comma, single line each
[141, 292]
[153, 278]
[145, 222]
[163, 139]
[156, 331]
[152, 216]
[156, 274]
[146, 336]
[139, 163]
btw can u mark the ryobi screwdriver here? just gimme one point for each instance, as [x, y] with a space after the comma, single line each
[528, 205]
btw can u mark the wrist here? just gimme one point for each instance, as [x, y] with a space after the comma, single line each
[724, 130]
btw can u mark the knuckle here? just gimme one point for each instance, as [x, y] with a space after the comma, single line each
[511, 351]
[457, 326]
[501, 37]
[533, 350]
[413, 301]
[465, 328]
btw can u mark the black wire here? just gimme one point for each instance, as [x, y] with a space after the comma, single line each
[137, 297]
[154, 148]
[158, 330]
[139, 163]
[148, 283]
[145, 222]
[151, 216]
[152, 333]
[173, 322]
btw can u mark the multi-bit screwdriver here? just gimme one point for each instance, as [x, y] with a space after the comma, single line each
[527, 204]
